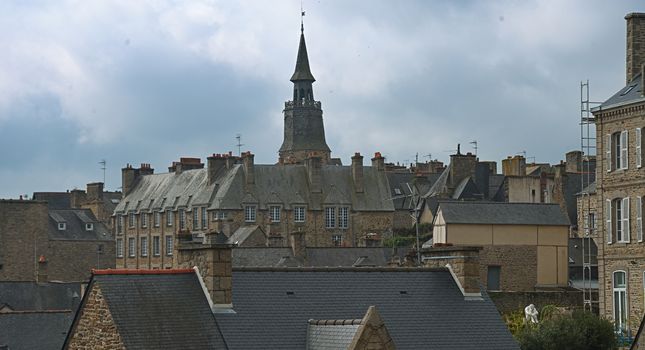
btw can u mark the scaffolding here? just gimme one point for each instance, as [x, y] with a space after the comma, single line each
[588, 231]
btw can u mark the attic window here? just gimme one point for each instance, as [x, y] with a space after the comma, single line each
[62, 226]
[630, 88]
[397, 191]
[89, 227]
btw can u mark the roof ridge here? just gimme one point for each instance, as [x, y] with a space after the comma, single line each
[336, 269]
[340, 322]
[141, 271]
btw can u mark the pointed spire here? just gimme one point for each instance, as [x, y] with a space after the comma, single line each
[302, 72]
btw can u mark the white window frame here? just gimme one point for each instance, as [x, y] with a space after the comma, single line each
[620, 313]
[169, 245]
[250, 213]
[204, 219]
[196, 221]
[144, 246]
[156, 245]
[157, 218]
[639, 219]
[343, 217]
[639, 153]
[330, 217]
[119, 247]
[132, 249]
[144, 219]
[132, 220]
[62, 226]
[170, 218]
[608, 153]
[274, 213]
[89, 226]
[624, 149]
[119, 223]
[608, 221]
[182, 219]
[299, 214]
[624, 221]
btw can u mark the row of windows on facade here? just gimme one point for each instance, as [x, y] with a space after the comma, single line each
[617, 220]
[143, 246]
[617, 150]
[334, 217]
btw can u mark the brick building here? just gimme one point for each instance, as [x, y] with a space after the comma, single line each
[620, 187]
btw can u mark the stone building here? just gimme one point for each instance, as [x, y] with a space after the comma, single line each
[620, 187]
[42, 244]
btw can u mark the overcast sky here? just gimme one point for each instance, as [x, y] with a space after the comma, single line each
[151, 81]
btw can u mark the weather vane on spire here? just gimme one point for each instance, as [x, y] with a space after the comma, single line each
[302, 16]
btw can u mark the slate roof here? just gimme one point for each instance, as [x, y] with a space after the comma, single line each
[331, 334]
[575, 252]
[259, 256]
[401, 185]
[479, 212]
[24, 296]
[288, 183]
[43, 330]
[159, 310]
[241, 234]
[422, 308]
[320, 257]
[75, 221]
[631, 93]
[302, 71]
[55, 200]
[591, 189]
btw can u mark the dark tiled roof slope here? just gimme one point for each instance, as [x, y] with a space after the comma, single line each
[55, 200]
[499, 213]
[422, 309]
[160, 311]
[629, 94]
[44, 330]
[75, 221]
[24, 296]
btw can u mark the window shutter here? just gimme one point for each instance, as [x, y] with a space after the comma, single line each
[624, 150]
[639, 218]
[608, 220]
[625, 214]
[608, 148]
[639, 153]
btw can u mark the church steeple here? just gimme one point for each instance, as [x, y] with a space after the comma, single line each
[302, 78]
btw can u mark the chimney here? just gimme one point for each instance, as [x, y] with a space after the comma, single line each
[298, 244]
[463, 263]
[185, 163]
[357, 172]
[514, 166]
[128, 176]
[574, 162]
[482, 178]
[378, 162]
[146, 169]
[212, 258]
[249, 171]
[215, 164]
[77, 198]
[461, 166]
[635, 44]
[314, 174]
[95, 191]
[230, 160]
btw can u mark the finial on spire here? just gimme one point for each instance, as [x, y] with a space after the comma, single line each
[302, 17]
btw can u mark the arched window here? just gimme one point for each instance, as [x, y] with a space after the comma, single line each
[620, 300]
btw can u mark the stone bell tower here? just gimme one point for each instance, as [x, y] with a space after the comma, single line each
[304, 132]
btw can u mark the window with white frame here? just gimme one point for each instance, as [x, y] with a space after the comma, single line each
[620, 300]
[639, 219]
[170, 218]
[132, 247]
[590, 224]
[204, 218]
[617, 220]
[169, 246]
[249, 213]
[144, 246]
[337, 240]
[119, 223]
[299, 214]
[182, 219]
[156, 245]
[639, 148]
[62, 226]
[195, 218]
[157, 218]
[132, 219]
[119, 247]
[343, 217]
[89, 227]
[330, 217]
[617, 150]
[219, 215]
[274, 213]
[144, 219]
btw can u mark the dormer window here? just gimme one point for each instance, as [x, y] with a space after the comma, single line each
[89, 227]
[62, 226]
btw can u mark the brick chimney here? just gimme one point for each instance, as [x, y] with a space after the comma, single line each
[378, 162]
[230, 160]
[146, 169]
[129, 176]
[249, 171]
[357, 172]
[461, 166]
[185, 163]
[213, 260]
[574, 162]
[314, 173]
[463, 263]
[95, 191]
[77, 198]
[635, 44]
[215, 164]
[514, 166]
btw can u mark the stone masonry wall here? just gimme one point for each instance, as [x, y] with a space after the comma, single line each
[74, 260]
[215, 267]
[95, 328]
[518, 266]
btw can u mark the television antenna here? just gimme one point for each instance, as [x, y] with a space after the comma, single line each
[239, 145]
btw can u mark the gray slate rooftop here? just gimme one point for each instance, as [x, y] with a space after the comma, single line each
[317, 257]
[26, 296]
[42, 330]
[75, 221]
[421, 308]
[478, 212]
[631, 93]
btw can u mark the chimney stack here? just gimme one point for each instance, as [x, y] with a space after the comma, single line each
[146, 169]
[357, 172]
[77, 198]
[635, 44]
[461, 166]
[514, 166]
[95, 191]
[314, 173]
[249, 171]
[378, 162]
[215, 164]
[185, 163]
[463, 263]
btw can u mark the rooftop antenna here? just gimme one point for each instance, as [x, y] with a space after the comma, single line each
[416, 158]
[474, 143]
[429, 156]
[238, 137]
[523, 153]
[103, 167]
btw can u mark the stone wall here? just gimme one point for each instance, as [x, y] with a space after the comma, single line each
[69, 260]
[518, 266]
[215, 266]
[95, 328]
